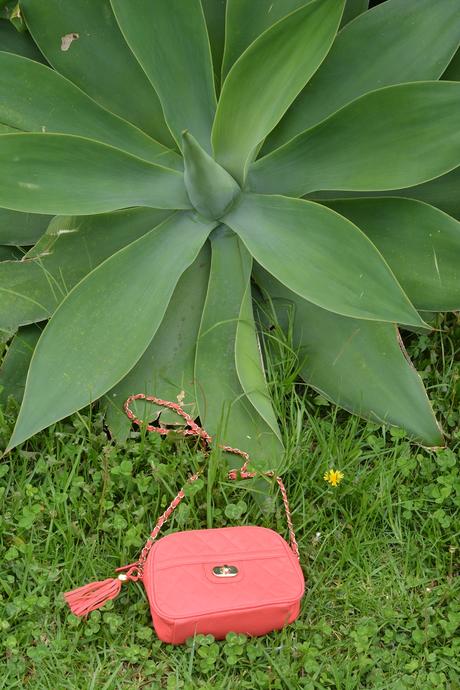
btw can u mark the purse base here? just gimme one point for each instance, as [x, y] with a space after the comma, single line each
[252, 622]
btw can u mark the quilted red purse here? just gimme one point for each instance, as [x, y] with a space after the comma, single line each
[213, 581]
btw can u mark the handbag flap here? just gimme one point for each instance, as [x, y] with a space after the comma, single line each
[206, 571]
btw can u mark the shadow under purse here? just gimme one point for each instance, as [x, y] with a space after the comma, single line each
[212, 581]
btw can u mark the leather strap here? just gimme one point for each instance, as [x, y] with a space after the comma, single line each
[135, 569]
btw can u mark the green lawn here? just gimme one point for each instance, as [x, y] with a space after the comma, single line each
[380, 551]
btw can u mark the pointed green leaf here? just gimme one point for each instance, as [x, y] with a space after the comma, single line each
[35, 98]
[250, 365]
[17, 42]
[370, 53]
[64, 174]
[214, 12]
[359, 365]
[31, 289]
[210, 188]
[166, 369]
[21, 229]
[420, 243]
[246, 21]
[266, 79]
[223, 406]
[13, 370]
[442, 192]
[170, 40]
[97, 59]
[321, 256]
[398, 136]
[86, 347]
[22, 287]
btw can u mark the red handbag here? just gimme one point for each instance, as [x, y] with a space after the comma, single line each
[213, 581]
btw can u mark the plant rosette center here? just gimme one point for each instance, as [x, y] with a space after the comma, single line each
[211, 189]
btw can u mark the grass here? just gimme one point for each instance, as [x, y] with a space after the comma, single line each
[380, 551]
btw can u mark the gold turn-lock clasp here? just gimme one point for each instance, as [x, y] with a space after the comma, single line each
[225, 570]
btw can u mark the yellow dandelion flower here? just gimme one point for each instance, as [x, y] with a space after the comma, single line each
[334, 477]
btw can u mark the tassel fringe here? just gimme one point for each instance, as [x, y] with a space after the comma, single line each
[90, 597]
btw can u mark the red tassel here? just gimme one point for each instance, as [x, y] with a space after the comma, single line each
[90, 597]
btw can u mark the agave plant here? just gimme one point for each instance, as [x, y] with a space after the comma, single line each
[176, 153]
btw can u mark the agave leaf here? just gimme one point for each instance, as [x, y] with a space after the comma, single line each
[5, 129]
[73, 246]
[249, 363]
[359, 365]
[21, 290]
[87, 339]
[321, 256]
[13, 370]
[356, 149]
[209, 186]
[420, 243]
[247, 20]
[223, 406]
[97, 59]
[170, 40]
[166, 369]
[214, 12]
[35, 98]
[267, 77]
[385, 35]
[20, 43]
[65, 174]
[452, 72]
[21, 229]
[352, 9]
[442, 192]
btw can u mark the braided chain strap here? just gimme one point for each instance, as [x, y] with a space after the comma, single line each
[135, 570]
